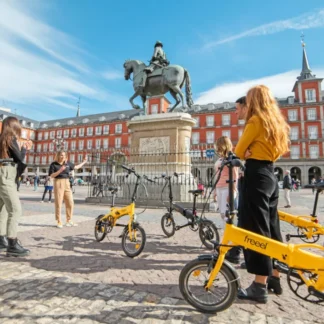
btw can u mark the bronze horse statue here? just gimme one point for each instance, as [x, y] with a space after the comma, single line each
[160, 81]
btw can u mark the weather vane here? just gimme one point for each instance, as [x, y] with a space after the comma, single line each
[302, 39]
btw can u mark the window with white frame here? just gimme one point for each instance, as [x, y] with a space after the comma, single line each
[30, 159]
[311, 114]
[74, 132]
[210, 137]
[98, 130]
[37, 159]
[226, 133]
[45, 147]
[40, 136]
[66, 146]
[312, 132]
[241, 121]
[52, 134]
[118, 128]
[45, 135]
[117, 142]
[240, 132]
[32, 148]
[89, 144]
[210, 121]
[310, 95]
[226, 120]
[98, 157]
[90, 131]
[44, 159]
[197, 121]
[106, 129]
[39, 147]
[73, 145]
[294, 133]
[24, 134]
[294, 151]
[51, 147]
[80, 157]
[105, 143]
[81, 131]
[72, 158]
[154, 109]
[292, 114]
[81, 145]
[314, 151]
[66, 133]
[59, 133]
[98, 143]
[195, 138]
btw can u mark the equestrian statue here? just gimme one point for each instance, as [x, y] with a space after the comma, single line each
[158, 78]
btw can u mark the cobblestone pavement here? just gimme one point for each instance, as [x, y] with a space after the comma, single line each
[71, 278]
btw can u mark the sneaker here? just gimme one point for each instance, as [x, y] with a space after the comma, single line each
[59, 225]
[42, 201]
[3, 243]
[274, 285]
[243, 265]
[70, 224]
[256, 292]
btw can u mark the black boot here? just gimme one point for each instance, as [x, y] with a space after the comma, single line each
[233, 255]
[3, 243]
[274, 285]
[15, 249]
[256, 292]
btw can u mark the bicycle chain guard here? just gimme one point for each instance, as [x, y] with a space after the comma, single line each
[110, 224]
[194, 226]
[300, 289]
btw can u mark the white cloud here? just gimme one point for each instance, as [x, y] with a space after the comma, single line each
[280, 84]
[112, 75]
[306, 21]
[41, 65]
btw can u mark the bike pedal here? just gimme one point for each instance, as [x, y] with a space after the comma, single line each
[288, 237]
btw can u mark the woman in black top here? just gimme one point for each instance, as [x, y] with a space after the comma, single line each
[59, 170]
[11, 147]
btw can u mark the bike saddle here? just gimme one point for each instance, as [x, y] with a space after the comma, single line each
[113, 189]
[196, 192]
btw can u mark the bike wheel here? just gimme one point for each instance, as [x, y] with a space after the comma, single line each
[168, 225]
[134, 247]
[100, 229]
[208, 232]
[193, 278]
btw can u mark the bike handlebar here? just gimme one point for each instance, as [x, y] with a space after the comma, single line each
[148, 179]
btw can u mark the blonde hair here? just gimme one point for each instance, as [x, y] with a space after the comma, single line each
[57, 155]
[260, 102]
[223, 146]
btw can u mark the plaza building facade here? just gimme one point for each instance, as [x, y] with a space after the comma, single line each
[106, 135]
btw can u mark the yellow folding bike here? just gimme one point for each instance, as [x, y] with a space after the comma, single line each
[308, 228]
[210, 283]
[133, 236]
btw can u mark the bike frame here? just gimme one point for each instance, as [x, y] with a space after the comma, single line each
[291, 254]
[129, 210]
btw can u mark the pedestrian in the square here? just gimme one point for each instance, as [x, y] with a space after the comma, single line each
[59, 170]
[287, 187]
[36, 182]
[48, 188]
[10, 207]
[264, 140]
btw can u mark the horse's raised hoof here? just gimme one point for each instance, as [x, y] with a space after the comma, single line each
[136, 107]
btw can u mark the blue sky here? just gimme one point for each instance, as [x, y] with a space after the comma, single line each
[52, 52]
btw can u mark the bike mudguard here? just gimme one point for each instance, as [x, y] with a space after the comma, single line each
[100, 216]
[213, 257]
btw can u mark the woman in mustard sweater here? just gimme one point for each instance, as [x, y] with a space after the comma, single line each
[264, 140]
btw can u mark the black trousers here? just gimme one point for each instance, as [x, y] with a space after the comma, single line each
[259, 211]
[49, 192]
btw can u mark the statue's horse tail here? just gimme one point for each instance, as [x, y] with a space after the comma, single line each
[188, 89]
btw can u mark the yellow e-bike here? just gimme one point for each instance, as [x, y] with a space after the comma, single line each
[210, 283]
[133, 236]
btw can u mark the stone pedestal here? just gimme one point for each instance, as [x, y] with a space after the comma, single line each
[160, 143]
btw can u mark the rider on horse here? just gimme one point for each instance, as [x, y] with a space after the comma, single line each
[158, 60]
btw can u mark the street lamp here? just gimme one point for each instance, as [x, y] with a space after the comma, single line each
[59, 143]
